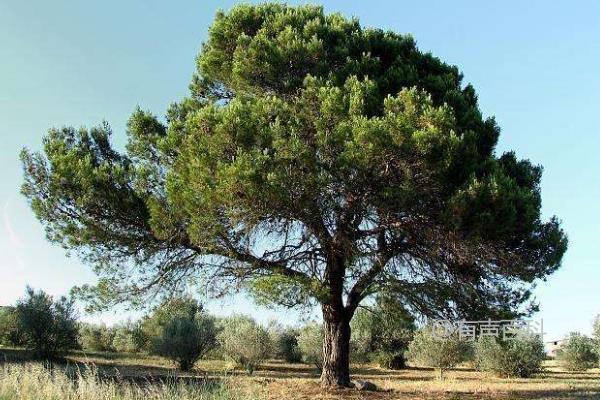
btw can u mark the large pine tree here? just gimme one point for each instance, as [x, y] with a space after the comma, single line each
[315, 160]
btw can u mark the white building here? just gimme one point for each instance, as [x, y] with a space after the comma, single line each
[553, 346]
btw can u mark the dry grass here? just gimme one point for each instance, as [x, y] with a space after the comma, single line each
[277, 380]
[463, 383]
[35, 381]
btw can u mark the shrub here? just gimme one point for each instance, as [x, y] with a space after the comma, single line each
[361, 346]
[390, 360]
[577, 353]
[125, 339]
[596, 335]
[96, 337]
[286, 347]
[441, 353]
[185, 340]
[383, 333]
[310, 343]
[10, 333]
[244, 341]
[152, 325]
[49, 327]
[520, 357]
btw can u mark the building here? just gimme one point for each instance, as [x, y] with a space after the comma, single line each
[552, 347]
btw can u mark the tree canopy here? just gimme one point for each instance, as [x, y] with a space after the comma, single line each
[314, 160]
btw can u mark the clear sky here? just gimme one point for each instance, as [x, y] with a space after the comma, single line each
[535, 65]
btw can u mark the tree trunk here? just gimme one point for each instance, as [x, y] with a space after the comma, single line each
[336, 348]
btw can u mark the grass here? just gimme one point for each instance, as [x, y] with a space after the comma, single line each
[119, 376]
[34, 381]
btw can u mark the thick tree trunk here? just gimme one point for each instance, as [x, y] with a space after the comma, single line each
[336, 348]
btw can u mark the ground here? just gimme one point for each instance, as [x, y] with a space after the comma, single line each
[278, 380]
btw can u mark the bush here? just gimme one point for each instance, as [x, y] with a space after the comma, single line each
[596, 335]
[124, 342]
[185, 340]
[244, 341]
[96, 337]
[390, 360]
[127, 338]
[520, 357]
[152, 325]
[441, 353]
[577, 353]
[49, 327]
[285, 343]
[10, 333]
[310, 343]
[382, 334]
[361, 349]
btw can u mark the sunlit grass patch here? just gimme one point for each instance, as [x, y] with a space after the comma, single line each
[34, 381]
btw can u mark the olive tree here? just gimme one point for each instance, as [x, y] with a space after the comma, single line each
[152, 324]
[429, 349]
[521, 356]
[244, 341]
[129, 337]
[96, 337]
[382, 332]
[310, 343]
[49, 326]
[186, 340]
[314, 162]
[578, 353]
[285, 342]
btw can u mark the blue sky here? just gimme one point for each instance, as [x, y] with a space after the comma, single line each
[534, 64]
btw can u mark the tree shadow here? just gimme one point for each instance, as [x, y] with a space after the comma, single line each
[15, 355]
[139, 370]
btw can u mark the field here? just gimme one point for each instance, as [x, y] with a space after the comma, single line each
[110, 376]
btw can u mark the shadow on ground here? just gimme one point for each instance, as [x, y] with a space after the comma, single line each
[300, 381]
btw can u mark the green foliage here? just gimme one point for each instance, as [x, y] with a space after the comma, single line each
[96, 337]
[304, 128]
[152, 324]
[129, 338]
[185, 340]
[244, 341]
[287, 345]
[577, 353]
[48, 326]
[124, 342]
[390, 360]
[124, 338]
[596, 335]
[313, 161]
[382, 334]
[10, 332]
[431, 350]
[519, 357]
[310, 343]
[361, 350]
[285, 342]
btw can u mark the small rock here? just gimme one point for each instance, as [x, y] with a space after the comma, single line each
[364, 385]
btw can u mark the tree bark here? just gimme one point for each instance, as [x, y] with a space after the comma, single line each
[336, 348]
